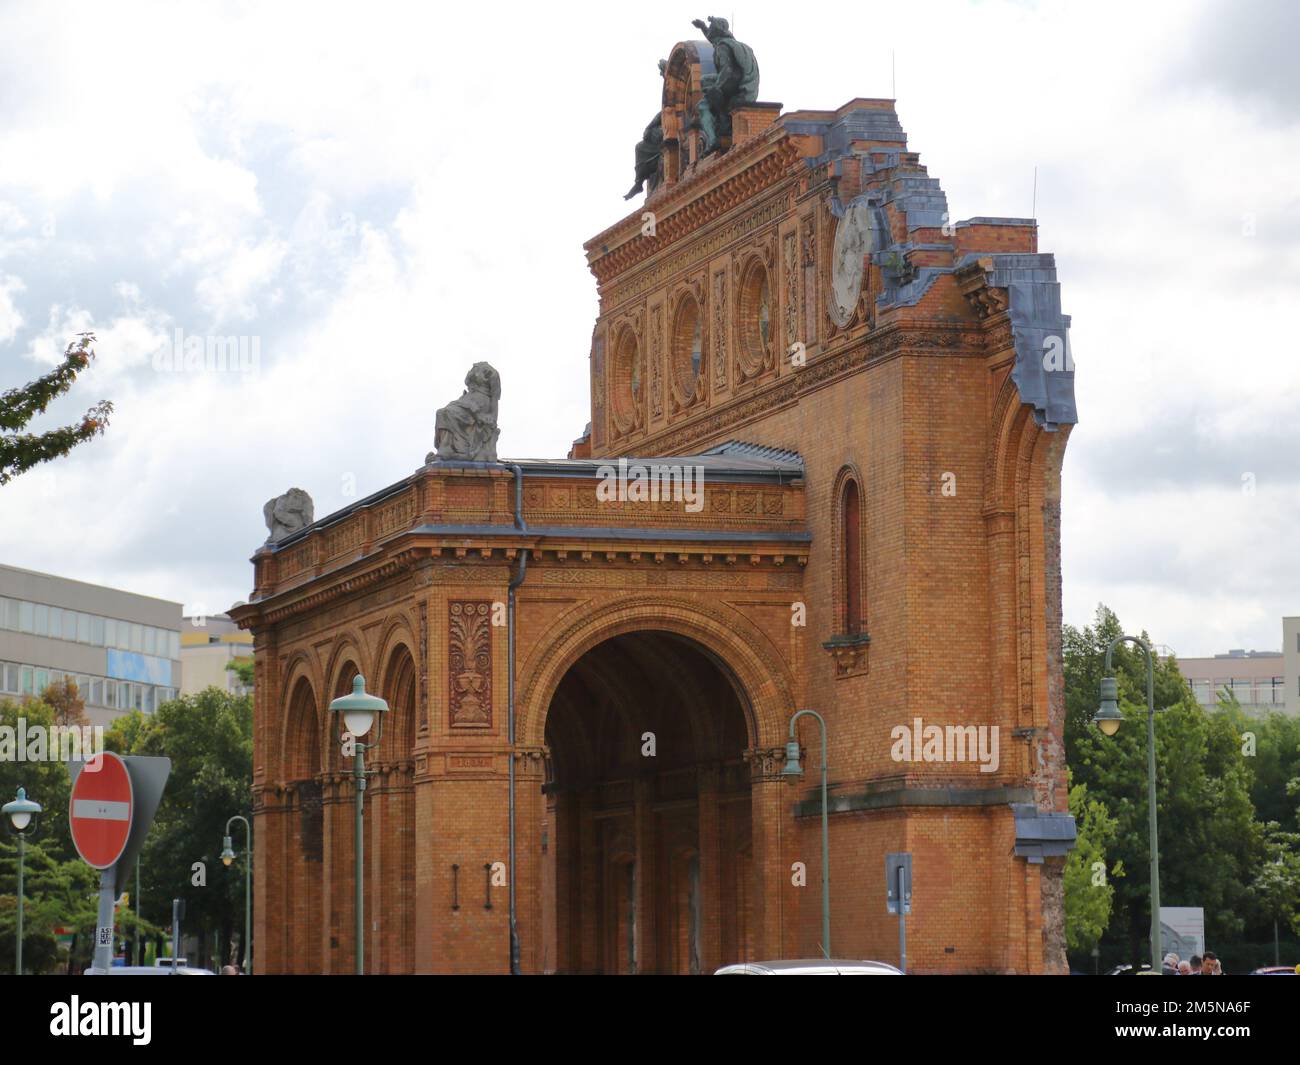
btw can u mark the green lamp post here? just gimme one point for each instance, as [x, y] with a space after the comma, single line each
[23, 816]
[793, 769]
[1108, 719]
[228, 856]
[359, 711]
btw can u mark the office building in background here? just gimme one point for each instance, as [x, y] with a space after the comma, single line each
[1262, 681]
[208, 646]
[121, 649]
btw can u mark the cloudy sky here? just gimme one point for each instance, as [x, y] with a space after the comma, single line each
[382, 195]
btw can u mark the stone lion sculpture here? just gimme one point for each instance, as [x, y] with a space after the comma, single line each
[287, 514]
[466, 429]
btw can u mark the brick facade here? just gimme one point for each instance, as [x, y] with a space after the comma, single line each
[723, 324]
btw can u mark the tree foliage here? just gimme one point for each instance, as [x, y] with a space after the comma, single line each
[1211, 786]
[1088, 890]
[209, 738]
[19, 450]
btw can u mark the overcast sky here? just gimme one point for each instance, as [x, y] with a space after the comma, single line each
[382, 195]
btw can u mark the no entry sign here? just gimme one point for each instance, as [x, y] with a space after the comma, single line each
[101, 809]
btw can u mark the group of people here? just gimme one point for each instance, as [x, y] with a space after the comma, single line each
[1206, 964]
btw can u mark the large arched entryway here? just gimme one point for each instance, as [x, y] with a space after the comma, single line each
[649, 868]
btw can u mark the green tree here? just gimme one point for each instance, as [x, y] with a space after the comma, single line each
[1088, 891]
[20, 451]
[46, 781]
[1276, 887]
[1210, 841]
[59, 888]
[1276, 761]
[209, 739]
[242, 667]
[57, 894]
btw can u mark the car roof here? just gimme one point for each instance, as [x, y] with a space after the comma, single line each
[810, 967]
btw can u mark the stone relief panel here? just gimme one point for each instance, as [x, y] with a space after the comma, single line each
[469, 641]
[657, 331]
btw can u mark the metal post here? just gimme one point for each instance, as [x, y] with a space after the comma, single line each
[359, 773]
[139, 937]
[103, 956]
[902, 923]
[826, 859]
[248, 911]
[248, 887]
[18, 955]
[178, 911]
[1151, 788]
[1151, 802]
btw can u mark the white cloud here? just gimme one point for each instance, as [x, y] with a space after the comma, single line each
[383, 197]
[10, 317]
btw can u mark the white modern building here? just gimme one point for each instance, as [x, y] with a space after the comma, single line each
[208, 646]
[1291, 663]
[1262, 681]
[122, 649]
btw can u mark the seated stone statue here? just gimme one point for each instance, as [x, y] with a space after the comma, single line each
[466, 429]
[650, 149]
[287, 514]
[734, 84]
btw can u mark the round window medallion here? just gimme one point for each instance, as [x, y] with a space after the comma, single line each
[687, 346]
[625, 382]
[755, 319]
[852, 244]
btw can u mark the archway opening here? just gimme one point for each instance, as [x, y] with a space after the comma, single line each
[304, 833]
[648, 805]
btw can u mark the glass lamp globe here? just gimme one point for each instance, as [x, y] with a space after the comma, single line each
[21, 811]
[359, 709]
[1108, 717]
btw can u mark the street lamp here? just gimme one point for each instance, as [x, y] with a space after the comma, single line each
[23, 815]
[359, 711]
[1108, 718]
[792, 769]
[228, 856]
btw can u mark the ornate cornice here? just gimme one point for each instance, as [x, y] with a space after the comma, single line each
[686, 210]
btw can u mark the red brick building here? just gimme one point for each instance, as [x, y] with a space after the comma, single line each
[876, 400]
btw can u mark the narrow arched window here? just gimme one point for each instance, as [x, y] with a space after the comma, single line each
[851, 539]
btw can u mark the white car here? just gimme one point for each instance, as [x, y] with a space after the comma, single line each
[811, 967]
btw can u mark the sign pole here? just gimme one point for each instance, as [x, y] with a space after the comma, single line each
[898, 897]
[178, 915]
[360, 774]
[103, 958]
[17, 965]
[902, 924]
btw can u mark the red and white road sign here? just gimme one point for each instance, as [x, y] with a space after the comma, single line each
[101, 809]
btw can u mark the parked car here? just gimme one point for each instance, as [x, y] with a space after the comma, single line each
[1276, 970]
[811, 967]
[152, 970]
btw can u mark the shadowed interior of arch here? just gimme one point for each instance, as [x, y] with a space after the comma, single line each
[319, 810]
[648, 793]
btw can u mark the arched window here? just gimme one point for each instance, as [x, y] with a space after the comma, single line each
[851, 559]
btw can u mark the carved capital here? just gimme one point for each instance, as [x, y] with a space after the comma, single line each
[765, 763]
[850, 654]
